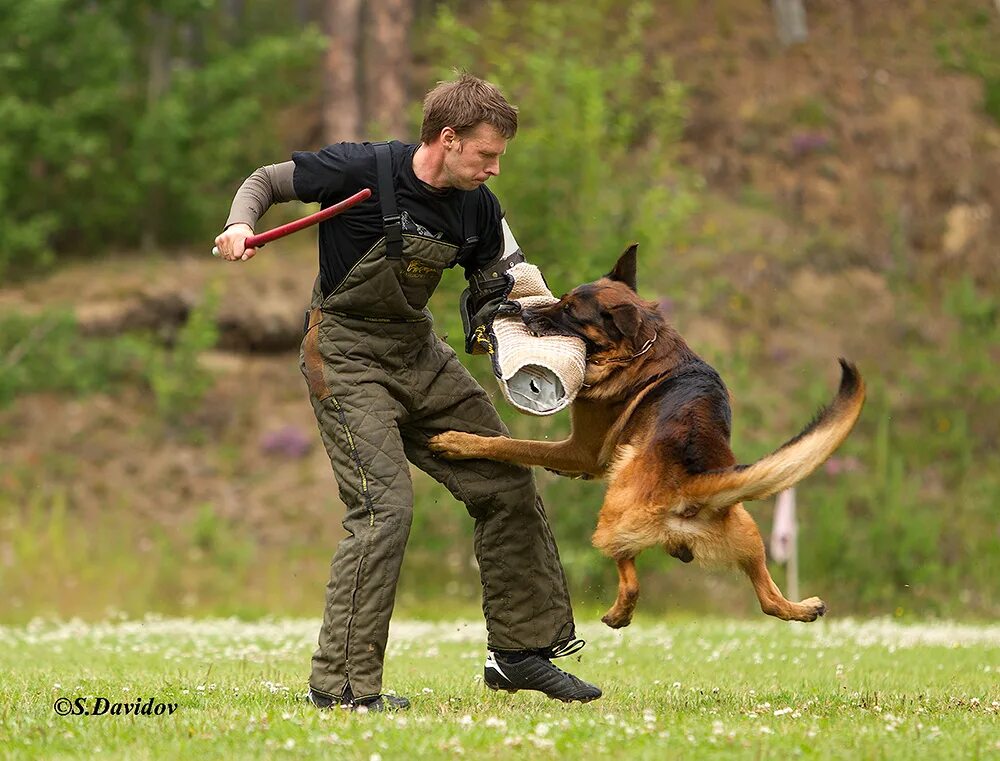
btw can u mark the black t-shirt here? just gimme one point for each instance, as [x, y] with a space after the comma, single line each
[340, 170]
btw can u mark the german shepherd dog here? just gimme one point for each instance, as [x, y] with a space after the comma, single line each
[653, 420]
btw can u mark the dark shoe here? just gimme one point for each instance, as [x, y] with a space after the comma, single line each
[320, 700]
[381, 703]
[533, 670]
[378, 704]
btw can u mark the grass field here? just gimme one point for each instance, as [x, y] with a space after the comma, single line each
[707, 689]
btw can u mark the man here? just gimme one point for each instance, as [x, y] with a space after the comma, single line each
[382, 384]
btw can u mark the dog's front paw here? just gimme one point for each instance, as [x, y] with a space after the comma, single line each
[454, 445]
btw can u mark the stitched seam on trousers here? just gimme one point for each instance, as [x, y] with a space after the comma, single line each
[350, 619]
[356, 456]
[502, 562]
[366, 494]
[327, 694]
[387, 320]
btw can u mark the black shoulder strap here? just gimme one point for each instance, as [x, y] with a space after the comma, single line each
[387, 198]
[469, 227]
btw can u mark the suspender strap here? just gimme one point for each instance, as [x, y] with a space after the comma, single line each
[469, 222]
[387, 198]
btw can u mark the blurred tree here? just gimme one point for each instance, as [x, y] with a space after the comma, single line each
[367, 68]
[342, 102]
[158, 49]
[307, 12]
[387, 66]
[113, 114]
[232, 11]
[592, 166]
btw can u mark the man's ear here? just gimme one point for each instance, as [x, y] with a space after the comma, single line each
[624, 271]
[627, 319]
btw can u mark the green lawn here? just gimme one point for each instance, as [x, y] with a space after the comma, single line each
[706, 689]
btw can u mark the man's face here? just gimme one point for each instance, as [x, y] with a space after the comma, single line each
[471, 160]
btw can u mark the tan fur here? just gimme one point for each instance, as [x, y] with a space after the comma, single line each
[625, 435]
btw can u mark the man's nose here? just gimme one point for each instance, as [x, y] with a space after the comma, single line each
[494, 168]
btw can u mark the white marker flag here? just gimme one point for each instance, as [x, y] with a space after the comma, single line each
[785, 530]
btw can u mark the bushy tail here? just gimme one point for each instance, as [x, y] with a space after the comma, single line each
[795, 460]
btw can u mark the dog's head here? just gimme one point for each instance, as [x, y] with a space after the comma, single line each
[607, 314]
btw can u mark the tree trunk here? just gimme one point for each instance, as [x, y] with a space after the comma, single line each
[387, 68]
[157, 84]
[233, 11]
[342, 114]
[305, 11]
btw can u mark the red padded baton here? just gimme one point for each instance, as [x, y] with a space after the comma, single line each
[256, 241]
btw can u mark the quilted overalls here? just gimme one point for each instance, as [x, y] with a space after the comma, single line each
[382, 384]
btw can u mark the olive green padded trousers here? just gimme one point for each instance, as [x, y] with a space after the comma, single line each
[380, 391]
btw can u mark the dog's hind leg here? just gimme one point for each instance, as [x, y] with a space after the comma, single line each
[748, 548]
[620, 613]
[624, 529]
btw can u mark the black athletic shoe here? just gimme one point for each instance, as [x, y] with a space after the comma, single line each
[534, 671]
[378, 704]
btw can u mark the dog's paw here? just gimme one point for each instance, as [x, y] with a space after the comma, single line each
[616, 620]
[454, 445]
[814, 608]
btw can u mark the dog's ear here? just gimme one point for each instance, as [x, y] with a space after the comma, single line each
[624, 271]
[627, 319]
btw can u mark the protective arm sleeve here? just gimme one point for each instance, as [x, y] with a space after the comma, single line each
[267, 186]
[486, 296]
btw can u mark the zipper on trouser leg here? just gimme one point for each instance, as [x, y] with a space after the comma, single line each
[342, 419]
[366, 494]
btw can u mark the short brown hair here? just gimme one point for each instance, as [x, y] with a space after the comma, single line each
[463, 104]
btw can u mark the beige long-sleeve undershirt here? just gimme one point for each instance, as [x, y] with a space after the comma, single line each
[267, 186]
